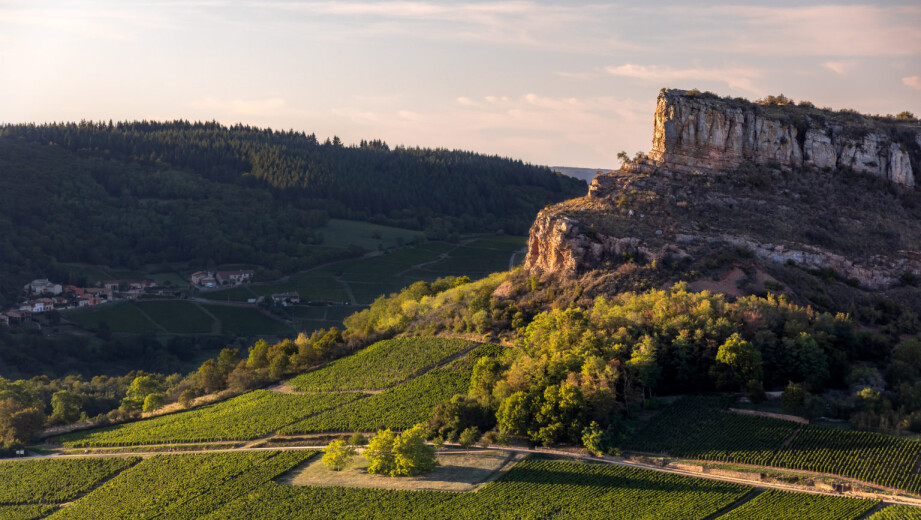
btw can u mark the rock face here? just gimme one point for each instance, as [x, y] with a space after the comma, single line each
[694, 132]
[660, 208]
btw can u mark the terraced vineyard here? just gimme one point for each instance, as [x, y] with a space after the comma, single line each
[381, 365]
[402, 406]
[779, 505]
[54, 481]
[871, 457]
[897, 512]
[245, 417]
[399, 407]
[182, 486]
[696, 427]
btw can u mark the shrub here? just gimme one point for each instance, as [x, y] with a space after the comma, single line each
[469, 437]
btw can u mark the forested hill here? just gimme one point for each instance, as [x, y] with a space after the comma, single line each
[407, 186]
[136, 193]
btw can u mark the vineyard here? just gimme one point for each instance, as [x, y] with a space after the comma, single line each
[182, 486]
[532, 489]
[54, 481]
[696, 427]
[245, 417]
[381, 365]
[778, 505]
[24, 512]
[898, 512]
[871, 457]
[399, 407]
[402, 406]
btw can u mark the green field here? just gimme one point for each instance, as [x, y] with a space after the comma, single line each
[245, 417]
[381, 365]
[343, 233]
[870, 457]
[233, 294]
[312, 285]
[696, 427]
[532, 489]
[399, 407]
[779, 505]
[898, 512]
[25, 512]
[118, 317]
[53, 481]
[177, 316]
[182, 486]
[247, 321]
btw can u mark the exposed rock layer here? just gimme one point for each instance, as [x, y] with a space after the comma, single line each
[698, 132]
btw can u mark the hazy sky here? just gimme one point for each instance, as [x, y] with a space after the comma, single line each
[557, 83]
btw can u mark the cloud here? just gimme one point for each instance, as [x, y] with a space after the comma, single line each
[829, 30]
[839, 67]
[514, 22]
[734, 77]
[913, 82]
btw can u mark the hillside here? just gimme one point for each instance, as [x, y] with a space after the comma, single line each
[132, 194]
[816, 204]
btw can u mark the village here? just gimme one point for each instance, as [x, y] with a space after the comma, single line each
[43, 295]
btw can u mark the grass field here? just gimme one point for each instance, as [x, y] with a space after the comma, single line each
[458, 471]
[234, 294]
[177, 316]
[343, 233]
[247, 321]
[312, 285]
[118, 317]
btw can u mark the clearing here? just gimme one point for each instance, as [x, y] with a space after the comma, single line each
[459, 471]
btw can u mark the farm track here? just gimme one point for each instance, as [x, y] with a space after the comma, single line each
[916, 502]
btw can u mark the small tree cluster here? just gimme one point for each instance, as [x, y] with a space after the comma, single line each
[405, 454]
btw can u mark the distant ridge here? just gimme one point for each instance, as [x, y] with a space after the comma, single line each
[586, 174]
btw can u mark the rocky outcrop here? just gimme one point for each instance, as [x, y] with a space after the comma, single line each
[652, 210]
[698, 132]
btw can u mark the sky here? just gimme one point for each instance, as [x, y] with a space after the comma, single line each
[552, 83]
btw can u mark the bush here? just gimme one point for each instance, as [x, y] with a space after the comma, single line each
[357, 439]
[469, 437]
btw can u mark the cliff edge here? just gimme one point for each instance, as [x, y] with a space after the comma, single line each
[781, 192]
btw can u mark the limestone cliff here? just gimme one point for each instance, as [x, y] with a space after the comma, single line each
[704, 132]
[798, 188]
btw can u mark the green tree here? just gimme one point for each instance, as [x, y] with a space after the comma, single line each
[337, 455]
[381, 460]
[412, 455]
[208, 378]
[138, 390]
[514, 415]
[642, 367]
[186, 398]
[468, 437]
[794, 397]
[66, 406]
[593, 439]
[153, 402]
[738, 362]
